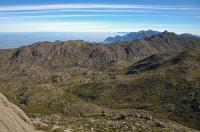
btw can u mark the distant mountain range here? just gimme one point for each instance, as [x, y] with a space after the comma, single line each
[131, 36]
[138, 36]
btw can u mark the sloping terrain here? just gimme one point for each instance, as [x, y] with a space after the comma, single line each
[126, 86]
[61, 55]
[166, 84]
[12, 118]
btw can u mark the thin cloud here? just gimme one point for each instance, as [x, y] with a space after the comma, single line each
[92, 6]
[79, 16]
[98, 11]
[18, 18]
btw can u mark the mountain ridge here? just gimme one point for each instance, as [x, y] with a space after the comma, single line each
[63, 81]
[132, 36]
[141, 35]
[92, 52]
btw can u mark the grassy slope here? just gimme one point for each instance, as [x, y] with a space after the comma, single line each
[170, 90]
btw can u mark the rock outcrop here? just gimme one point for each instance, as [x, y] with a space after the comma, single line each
[12, 118]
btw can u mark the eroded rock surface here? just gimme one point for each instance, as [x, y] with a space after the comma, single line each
[12, 118]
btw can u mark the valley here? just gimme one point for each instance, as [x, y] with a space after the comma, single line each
[150, 84]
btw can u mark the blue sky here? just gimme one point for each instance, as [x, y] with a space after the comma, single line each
[179, 16]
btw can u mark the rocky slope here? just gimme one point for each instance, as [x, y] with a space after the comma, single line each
[131, 36]
[82, 85]
[85, 54]
[12, 118]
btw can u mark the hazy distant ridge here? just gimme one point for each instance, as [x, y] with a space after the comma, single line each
[140, 35]
[132, 36]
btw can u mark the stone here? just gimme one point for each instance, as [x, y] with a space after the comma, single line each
[12, 118]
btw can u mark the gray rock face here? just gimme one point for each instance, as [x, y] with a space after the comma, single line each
[12, 118]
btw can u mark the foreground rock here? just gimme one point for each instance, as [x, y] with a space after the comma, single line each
[13, 119]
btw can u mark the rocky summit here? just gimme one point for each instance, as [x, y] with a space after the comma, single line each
[149, 84]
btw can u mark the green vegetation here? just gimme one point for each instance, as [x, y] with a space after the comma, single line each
[105, 87]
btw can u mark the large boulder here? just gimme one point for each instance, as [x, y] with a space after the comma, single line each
[12, 118]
